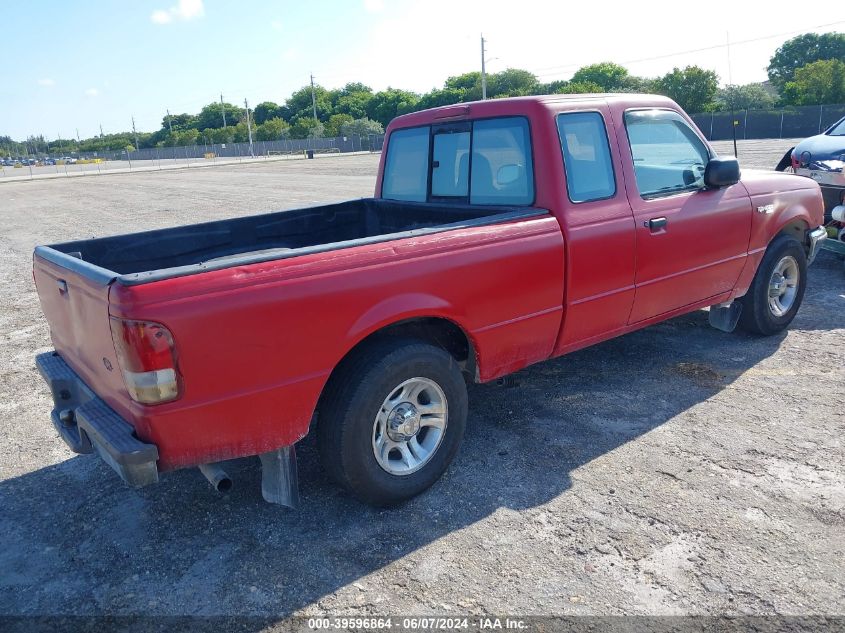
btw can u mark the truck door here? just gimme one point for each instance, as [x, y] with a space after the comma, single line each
[599, 228]
[691, 242]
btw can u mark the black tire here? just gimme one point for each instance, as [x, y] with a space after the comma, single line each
[757, 316]
[355, 396]
[786, 161]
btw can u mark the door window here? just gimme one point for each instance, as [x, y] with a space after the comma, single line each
[487, 161]
[669, 157]
[450, 165]
[406, 167]
[502, 172]
[586, 156]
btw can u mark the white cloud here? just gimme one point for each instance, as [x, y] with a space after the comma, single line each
[92, 92]
[290, 54]
[182, 10]
[161, 16]
[46, 82]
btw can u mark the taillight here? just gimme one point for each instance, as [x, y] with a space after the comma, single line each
[147, 357]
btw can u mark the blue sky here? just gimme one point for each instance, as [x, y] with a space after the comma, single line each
[78, 64]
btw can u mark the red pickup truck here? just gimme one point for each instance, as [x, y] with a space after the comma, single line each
[502, 233]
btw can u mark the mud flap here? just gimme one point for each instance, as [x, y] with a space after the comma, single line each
[279, 479]
[725, 316]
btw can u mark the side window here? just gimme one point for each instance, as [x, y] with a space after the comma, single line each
[502, 172]
[450, 164]
[586, 156]
[486, 161]
[406, 167]
[668, 156]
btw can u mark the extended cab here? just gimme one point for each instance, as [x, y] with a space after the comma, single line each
[502, 233]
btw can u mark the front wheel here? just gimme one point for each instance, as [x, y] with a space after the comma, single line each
[392, 420]
[785, 163]
[776, 293]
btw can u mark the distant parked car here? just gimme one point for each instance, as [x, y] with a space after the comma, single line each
[69, 160]
[822, 158]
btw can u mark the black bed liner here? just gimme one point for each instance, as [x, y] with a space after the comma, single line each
[138, 258]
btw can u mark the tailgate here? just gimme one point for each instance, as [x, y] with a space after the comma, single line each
[77, 310]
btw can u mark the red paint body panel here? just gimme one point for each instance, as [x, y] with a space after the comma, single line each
[256, 343]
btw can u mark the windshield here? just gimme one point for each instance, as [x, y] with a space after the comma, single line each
[838, 129]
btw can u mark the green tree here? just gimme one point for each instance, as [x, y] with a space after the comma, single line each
[440, 97]
[335, 122]
[802, 50]
[512, 82]
[306, 127]
[390, 103]
[274, 129]
[186, 137]
[211, 116]
[299, 103]
[466, 87]
[571, 87]
[265, 111]
[221, 135]
[747, 97]
[178, 122]
[355, 104]
[611, 77]
[819, 82]
[692, 88]
[361, 127]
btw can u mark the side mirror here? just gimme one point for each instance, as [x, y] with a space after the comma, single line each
[721, 172]
[507, 174]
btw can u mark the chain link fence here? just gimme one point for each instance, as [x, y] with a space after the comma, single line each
[795, 122]
[93, 163]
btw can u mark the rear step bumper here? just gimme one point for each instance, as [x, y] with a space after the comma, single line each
[88, 424]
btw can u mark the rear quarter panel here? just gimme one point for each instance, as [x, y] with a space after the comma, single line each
[257, 343]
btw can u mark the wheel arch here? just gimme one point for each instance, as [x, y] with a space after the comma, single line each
[437, 330]
[796, 227]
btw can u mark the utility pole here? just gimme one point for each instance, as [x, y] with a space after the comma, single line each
[483, 71]
[223, 108]
[313, 98]
[135, 133]
[733, 92]
[78, 140]
[249, 128]
[101, 131]
[169, 123]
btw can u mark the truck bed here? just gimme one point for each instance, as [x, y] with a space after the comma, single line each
[149, 256]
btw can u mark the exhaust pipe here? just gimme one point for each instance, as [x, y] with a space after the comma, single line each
[217, 477]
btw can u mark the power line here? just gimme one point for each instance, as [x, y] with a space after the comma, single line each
[692, 50]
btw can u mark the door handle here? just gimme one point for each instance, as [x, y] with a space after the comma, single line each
[62, 284]
[656, 223]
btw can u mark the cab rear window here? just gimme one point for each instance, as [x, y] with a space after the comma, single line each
[485, 162]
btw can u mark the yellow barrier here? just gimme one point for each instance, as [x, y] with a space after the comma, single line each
[89, 161]
[18, 166]
[210, 155]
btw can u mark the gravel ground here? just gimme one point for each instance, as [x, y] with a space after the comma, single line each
[676, 470]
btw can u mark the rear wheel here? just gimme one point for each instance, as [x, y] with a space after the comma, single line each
[776, 293]
[392, 420]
